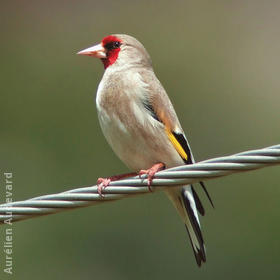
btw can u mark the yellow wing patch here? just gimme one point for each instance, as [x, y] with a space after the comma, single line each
[176, 144]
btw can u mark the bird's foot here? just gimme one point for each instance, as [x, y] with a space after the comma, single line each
[102, 183]
[151, 173]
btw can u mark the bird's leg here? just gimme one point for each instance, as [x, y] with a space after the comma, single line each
[151, 172]
[102, 183]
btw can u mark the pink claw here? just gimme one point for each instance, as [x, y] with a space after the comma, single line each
[102, 183]
[151, 173]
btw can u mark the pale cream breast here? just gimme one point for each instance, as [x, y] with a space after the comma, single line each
[135, 136]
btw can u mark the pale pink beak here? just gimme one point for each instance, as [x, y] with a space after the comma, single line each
[95, 51]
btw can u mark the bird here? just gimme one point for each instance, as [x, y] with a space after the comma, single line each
[140, 124]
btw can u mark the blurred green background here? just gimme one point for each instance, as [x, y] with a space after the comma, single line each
[218, 60]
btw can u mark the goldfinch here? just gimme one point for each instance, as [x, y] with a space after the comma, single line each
[140, 124]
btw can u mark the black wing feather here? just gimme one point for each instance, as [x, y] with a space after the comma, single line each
[183, 142]
[198, 203]
[151, 110]
[199, 253]
[207, 193]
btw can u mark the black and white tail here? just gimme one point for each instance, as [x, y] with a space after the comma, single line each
[187, 203]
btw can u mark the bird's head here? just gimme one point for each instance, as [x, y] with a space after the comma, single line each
[119, 50]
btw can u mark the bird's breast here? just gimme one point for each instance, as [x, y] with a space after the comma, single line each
[135, 136]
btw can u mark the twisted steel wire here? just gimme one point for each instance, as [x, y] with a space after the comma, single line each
[185, 174]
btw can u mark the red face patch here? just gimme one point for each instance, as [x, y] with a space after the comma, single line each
[112, 45]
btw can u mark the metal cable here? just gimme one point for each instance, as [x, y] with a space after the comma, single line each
[186, 174]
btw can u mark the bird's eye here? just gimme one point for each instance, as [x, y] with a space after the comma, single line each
[116, 44]
[113, 45]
